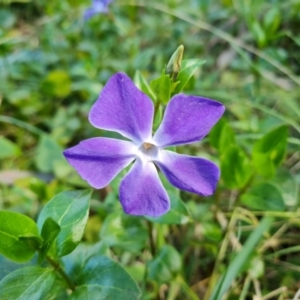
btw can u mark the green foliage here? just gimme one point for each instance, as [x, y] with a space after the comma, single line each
[8, 148]
[57, 83]
[94, 273]
[240, 260]
[268, 152]
[263, 196]
[272, 21]
[69, 210]
[28, 283]
[50, 231]
[53, 66]
[90, 292]
[174, 65]
[222, 136]
[161, 86]
[178, 213]
[258, 33]
[13, 226]
[188, 68]
[49, 153]
[235, 167]
[124, 231]
[166, 265]
[158, 117]
[143, 85]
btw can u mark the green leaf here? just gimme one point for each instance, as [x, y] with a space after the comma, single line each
[268, 152]
[227, 138]
[240, 260]
[83, 252]
[288, 186]
[161, 86]
[263, 196]
[89, 292]
[8, 148]
[12, 227]
[33, 242]
[124, 231]
[235, 167]
[48, 153]
[8, 265]
[106, 277]
[143, 85]
[58, 291]
[49, 233]
[215, 133]
[188, 68]
[221, 136]
[272, 20]
[178, 213]
[70, 211]
[166, 265]
[32, 283]
[258, 33]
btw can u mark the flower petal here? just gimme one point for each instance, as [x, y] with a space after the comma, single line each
[99, 160]
[192, 174]
[122, 107]
[90, 12]
[98, 7]
[142, 193]
[187, 119]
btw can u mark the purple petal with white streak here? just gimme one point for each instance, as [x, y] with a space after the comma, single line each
[192, 174]
[123, 108]
[187, 119]
[99, 160]
[142, 193]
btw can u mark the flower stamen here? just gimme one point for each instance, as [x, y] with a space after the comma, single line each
[147, 146]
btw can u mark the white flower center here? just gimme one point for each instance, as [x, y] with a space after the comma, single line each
[148, 152]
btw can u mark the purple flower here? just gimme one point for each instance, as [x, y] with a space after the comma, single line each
[123, 108]
[98, 7]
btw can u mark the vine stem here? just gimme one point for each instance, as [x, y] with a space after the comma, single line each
[57, 267]
[152, 243]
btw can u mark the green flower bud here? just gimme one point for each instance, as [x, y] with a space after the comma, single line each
[174, 64]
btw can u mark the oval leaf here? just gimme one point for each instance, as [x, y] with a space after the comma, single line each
[70, 211]
[12, 227]
[112, 281]
[32, 283]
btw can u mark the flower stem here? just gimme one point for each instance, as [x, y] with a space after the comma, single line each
[62, 273]
[152, 243]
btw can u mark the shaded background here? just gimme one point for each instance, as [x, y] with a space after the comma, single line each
[53, 66]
